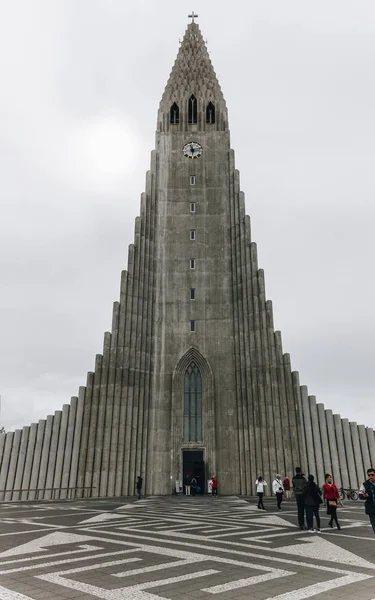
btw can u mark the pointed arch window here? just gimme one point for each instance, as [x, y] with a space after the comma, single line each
[192, 404]
[192, 109]
[174, 114]
[210, 113]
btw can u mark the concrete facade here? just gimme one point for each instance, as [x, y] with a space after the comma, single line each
[191, 297]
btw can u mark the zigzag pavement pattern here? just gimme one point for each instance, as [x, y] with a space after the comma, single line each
[164, 548]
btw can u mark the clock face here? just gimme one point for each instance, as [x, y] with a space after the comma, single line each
[192, 150]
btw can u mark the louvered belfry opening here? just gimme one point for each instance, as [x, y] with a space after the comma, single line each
[192, 110]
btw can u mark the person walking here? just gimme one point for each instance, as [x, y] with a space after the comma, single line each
[278, 490]
[287, 490]
[193, 485]
[139, 486]
[261, 484]
[299, 483]
[313, 499]
[332, 497]
[214, 485]
[367, 492]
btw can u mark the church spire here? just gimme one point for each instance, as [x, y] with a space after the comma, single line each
[192, 75]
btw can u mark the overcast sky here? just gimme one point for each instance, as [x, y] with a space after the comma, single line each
[80, 85]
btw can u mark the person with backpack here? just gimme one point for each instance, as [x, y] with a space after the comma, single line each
[367, 492]
[299, 484]
[313, 499]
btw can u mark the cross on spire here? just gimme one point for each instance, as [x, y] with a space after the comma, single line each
[192, 16]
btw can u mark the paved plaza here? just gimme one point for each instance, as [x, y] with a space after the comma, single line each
[166, 548]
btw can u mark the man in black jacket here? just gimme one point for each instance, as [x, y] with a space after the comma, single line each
[299, 486]
[367, 492]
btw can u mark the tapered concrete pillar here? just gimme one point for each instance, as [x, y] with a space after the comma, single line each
[2, 445]
[5, 462]
[21, 463]
[53, 453]
[13, 464]
[77, 440]
[60, 451]
[37, 459]
[341, 452]
[65, 493]
[327, 464]
[349, 453]
[357, 454]
[336, 472]
[364, 449]
[29, 461]
[44, 458]
[311, 464]
[371, 445]
[319, 473]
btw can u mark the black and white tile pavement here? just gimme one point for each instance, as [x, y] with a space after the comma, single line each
[189, 548]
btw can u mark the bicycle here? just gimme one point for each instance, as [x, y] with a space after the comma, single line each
[348, 493]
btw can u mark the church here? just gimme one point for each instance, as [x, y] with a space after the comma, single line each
[193, 379]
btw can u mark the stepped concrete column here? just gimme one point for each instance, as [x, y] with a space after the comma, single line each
[68, 449]
[53, 453]
[357, 455]
[2, 444]
[37, 456]
[44, 458]
[353, 480]
[5, 462]
[21, 463]
[61, 451]
[371, 445]
[311, 464]
[13, 464]
[73, 477]
[25, 484]
[333, 448]
[341, 452]
[364, 449]
[319, 473]
[324, 438]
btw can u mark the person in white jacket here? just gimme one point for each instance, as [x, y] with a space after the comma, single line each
[278, 490]
[261, 484]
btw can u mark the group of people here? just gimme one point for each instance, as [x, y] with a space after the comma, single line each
[307, 493]
[309, 496]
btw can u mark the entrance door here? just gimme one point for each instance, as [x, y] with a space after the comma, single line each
[193, 466]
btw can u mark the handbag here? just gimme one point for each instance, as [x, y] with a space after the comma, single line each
[332, 503]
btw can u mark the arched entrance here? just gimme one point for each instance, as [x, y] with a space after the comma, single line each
[193, 419]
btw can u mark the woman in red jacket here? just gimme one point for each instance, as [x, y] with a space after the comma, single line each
[332, 497]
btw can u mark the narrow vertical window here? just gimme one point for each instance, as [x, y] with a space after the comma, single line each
[174, 114]
[192, 179]
[192, 293]
[192, 109]
[210, 113]
[192, 325]
[192, 234]
[192, 404]
[192, 263]
[192, 207]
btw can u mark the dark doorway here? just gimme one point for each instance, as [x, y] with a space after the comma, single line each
[193, 466]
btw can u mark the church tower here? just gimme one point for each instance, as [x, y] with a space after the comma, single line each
[193, 379]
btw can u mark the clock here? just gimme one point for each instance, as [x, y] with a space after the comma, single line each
[192, 150]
